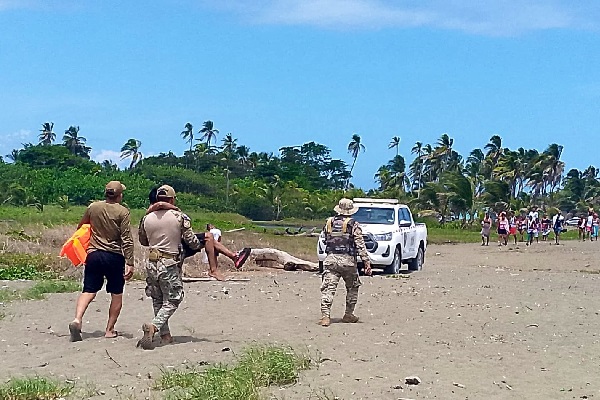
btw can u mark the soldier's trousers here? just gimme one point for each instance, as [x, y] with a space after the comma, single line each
[336, 267]
[164, 285]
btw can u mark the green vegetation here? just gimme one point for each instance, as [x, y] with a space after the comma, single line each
[39, 290]
[57, 216]
[34, 388]
[220, 175]
[14, 266]
[259, 366]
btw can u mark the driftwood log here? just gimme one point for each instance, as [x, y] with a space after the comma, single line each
[273, 258]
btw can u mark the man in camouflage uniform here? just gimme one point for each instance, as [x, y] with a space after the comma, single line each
[163, 231]
[344, 242]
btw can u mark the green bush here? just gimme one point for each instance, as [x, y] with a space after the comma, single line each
[259, 366]
[15, 266]
[35, 388]
[255, 208]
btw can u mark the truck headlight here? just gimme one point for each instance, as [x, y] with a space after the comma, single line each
[383, 237]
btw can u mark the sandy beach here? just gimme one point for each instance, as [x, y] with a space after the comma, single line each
[476, 323]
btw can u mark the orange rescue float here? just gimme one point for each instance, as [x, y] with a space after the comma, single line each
[75, 249]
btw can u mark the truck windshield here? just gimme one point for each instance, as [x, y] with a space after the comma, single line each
[384, 216]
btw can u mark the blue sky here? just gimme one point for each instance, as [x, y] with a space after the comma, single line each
[284, 72]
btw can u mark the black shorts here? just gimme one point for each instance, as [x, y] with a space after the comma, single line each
[502, 232]
[104, 264]
[188, 251]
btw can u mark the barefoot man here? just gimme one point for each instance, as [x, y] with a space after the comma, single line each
[110, 256]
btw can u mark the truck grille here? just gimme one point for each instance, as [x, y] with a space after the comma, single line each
[370, 243]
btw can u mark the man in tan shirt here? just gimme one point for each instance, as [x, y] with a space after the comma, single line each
[110, 257]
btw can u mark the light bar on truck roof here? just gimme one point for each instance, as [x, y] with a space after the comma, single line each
[378, 201]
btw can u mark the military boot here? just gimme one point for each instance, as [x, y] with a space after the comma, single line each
[324, 321]
[350, 318]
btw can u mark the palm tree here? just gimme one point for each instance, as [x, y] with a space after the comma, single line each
[416, 166]
[243, 153]
[474, 170]
[131, 148]
[494, 151]
[14, 155]
[554, 167]
[253, 159]
[428, 158]
[444, 149]
[209, 133]
[188, 134]
[47, 136]
[229, 146]
[397, 173]
[395, 143]
[76, 143]
[354, 148]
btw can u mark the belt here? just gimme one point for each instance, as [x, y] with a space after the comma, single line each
[156, 255]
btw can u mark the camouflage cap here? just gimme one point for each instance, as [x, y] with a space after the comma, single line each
[114, 188]
[345, 207]
[165, 191]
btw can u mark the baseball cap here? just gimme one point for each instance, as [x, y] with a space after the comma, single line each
[114, 188]
[165, 191]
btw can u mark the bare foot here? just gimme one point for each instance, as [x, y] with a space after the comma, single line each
[217, 275]
[111, 334]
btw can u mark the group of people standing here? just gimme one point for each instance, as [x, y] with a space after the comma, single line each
[527, 227]
[167, 233]
[588, 226]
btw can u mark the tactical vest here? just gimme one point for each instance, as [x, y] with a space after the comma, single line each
[338, 236]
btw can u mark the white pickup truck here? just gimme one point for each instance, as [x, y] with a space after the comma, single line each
[391, 235]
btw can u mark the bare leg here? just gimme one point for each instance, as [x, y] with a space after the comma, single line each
[209, 247]
[220, 247]
[116, 303]
[83, 301]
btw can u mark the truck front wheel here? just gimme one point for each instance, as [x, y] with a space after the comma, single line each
[394, 267]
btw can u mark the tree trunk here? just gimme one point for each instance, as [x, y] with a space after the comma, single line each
[273, 258]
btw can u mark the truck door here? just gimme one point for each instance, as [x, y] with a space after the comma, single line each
[410, 238]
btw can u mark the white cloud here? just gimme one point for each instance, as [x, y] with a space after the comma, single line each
[110, 155]
[14, 139]
[487, 17]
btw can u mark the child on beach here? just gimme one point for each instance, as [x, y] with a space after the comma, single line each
[512, 223]
[581, 226]
[530, 229]
[589, 224]
[485, 230]
[521, 225]
[595, 227]
[557, 224]
[503, 228]
[545, 227]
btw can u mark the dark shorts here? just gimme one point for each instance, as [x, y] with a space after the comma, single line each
[188, 251]
[502, 232]
[104, 264]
